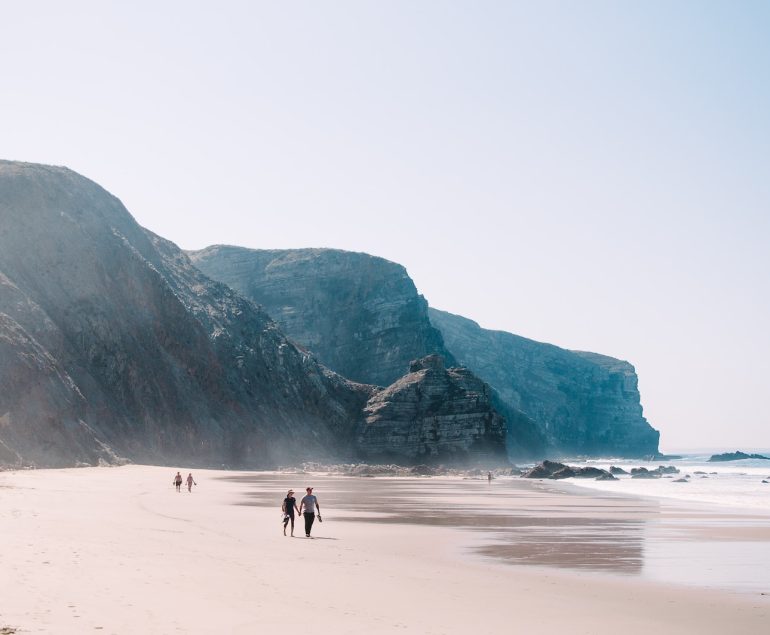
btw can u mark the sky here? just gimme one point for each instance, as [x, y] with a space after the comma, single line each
[591, 174]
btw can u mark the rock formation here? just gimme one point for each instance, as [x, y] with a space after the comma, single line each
[736, 456]
[363, 317]
[359, 315]
[433, 413]
[556, 471]
[113, 344]
[584, 403]
[658, 472]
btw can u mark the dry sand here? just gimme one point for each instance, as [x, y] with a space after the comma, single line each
[118, 550]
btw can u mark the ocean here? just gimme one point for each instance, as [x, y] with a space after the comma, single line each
[731, 484]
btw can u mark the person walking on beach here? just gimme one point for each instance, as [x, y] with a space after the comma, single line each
[190, 482]
[178, 481]
[309, 504]
[489, 478]
[288, 507]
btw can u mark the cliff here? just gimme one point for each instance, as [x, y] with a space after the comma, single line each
[433, 414]
[363, 317]
[359, 315]
[584, 403]
[112, 344]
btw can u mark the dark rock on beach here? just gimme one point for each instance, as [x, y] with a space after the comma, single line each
[544, 470]
[554, 470]
[617, 470]
[433, 413]
[643, 472]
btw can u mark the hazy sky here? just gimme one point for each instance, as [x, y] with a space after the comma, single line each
[591, 174]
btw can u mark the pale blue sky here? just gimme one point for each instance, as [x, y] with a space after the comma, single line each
[592, 174]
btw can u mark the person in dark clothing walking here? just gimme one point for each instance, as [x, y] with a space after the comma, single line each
[288, 507]
[309, 504]
[177, 482]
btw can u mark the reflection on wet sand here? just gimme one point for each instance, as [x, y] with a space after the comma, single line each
[519, 522]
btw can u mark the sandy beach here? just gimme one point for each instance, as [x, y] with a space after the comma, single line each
[118, 550]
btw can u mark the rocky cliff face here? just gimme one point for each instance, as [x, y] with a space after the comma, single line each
[360, 315]
[363, 317]
[584, 403]
[433, 414]
[112, 343]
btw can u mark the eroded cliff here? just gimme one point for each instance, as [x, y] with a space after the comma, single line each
[359, 314]
[113, 344]
[433, 414]
[584, 403]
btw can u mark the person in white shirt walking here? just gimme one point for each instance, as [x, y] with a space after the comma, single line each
[307, 507]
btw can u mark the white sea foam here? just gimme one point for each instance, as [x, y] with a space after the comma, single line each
[736, 484]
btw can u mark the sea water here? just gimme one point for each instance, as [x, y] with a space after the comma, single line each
[736, 484]
[717, 550]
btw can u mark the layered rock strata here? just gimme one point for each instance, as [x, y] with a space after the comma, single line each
[358, 314]
[584, 403]
[433, 414]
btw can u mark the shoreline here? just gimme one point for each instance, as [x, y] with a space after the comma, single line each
[597, 531]
[118, 550]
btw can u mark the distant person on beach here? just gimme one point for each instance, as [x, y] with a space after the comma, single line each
[489, 477]
[178, 481]
[288, 507]
[190, 482]
[309, 504]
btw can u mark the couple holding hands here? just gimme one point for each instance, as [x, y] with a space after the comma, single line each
[307, 507]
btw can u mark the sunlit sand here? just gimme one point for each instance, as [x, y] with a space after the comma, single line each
[118, 550]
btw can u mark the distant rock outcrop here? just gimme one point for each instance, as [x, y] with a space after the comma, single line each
[585, 403]
[643, 472]
[433, 414]
[736, 456]
[358, 314]
[112, 344]
[555, 470]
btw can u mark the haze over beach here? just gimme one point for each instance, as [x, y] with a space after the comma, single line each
[591, 176]
[491, 277]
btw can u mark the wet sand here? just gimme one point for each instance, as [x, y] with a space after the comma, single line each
[542, 523]
[117, 550]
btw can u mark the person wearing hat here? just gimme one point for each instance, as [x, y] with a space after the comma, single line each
[309, 504]
[288, 507]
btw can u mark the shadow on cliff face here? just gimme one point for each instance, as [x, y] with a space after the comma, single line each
[518, 522]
